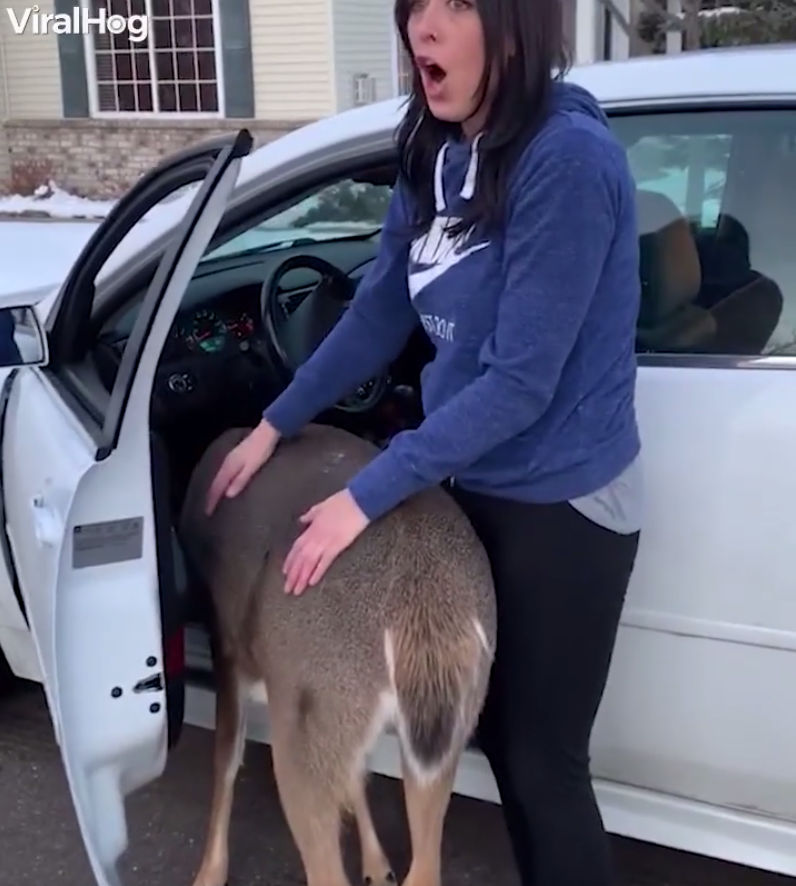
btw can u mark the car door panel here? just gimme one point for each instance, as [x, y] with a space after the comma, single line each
[705, 655]
[34, 500]
[80, 515]
[16, 643]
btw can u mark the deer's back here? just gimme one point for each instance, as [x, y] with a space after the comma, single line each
[421, 564]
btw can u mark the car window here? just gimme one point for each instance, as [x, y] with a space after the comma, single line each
[689, 170]
[336, 210]
[716, 204]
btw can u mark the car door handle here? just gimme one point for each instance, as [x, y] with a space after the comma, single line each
[45, 522]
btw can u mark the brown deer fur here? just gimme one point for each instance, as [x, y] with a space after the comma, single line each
[400, 632]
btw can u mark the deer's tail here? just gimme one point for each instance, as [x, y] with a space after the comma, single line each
[440, 675]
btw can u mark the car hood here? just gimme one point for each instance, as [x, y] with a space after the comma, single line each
[41, 297]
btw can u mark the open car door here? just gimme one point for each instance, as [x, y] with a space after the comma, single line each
[79, 516]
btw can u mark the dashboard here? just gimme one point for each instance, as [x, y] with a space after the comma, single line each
[225, 292]
[217, 342]
[217, 369]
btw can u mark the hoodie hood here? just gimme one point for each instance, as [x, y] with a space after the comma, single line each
[571, 98]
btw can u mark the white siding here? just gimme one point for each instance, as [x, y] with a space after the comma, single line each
[363, 35]
[292, 59]
[588, 31]
[31, 67]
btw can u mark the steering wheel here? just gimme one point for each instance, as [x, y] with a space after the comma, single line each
[295, 337]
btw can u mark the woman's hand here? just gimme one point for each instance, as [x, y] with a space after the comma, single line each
[241, 464]
[332, 525]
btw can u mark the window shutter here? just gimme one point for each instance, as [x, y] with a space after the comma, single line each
[236, 58]
[72, 60]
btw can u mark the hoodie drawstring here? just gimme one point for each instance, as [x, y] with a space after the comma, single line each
[439, 191]
[468, 188]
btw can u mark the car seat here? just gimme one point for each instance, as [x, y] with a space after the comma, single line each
[669, 320]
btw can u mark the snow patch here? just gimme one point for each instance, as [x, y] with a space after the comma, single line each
[50, 201]
[39, 253]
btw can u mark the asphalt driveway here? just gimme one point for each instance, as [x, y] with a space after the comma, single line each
[40, 844]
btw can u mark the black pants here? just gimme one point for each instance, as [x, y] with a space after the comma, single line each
[561, 581]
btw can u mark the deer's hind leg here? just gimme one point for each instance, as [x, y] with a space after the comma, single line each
[310, 776]
[230, 738]
[376, 868]
[427, 802]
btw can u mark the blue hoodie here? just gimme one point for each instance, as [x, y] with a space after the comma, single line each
[530, 395]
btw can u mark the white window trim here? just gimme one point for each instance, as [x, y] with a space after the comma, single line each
[93, 85]
[394, 56]
[396, 50]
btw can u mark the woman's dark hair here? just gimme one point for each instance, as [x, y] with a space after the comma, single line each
[524, 44]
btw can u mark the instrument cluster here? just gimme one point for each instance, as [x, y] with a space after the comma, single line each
[211, 330]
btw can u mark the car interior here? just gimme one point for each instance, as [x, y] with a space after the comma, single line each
[250, 316]
[699, 293]
[711, 284]
[248, 319]
[257, 308]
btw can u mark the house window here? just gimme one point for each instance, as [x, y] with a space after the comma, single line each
[175, 70]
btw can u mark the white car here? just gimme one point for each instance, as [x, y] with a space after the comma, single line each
[153, 344]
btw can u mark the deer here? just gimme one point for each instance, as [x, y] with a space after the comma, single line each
[398, 635]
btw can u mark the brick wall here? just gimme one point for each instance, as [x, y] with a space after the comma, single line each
[102, 158]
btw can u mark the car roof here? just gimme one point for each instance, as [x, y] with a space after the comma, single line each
[737, 71]
[764, 72]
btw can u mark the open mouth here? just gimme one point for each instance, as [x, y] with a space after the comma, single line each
[431, 69]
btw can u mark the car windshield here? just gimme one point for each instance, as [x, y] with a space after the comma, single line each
[344, 209]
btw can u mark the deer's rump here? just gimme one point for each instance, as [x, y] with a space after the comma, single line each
[404, 619]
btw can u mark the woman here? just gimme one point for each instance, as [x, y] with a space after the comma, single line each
[511, 237]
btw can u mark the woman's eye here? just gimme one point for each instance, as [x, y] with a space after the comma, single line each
[460, 5]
